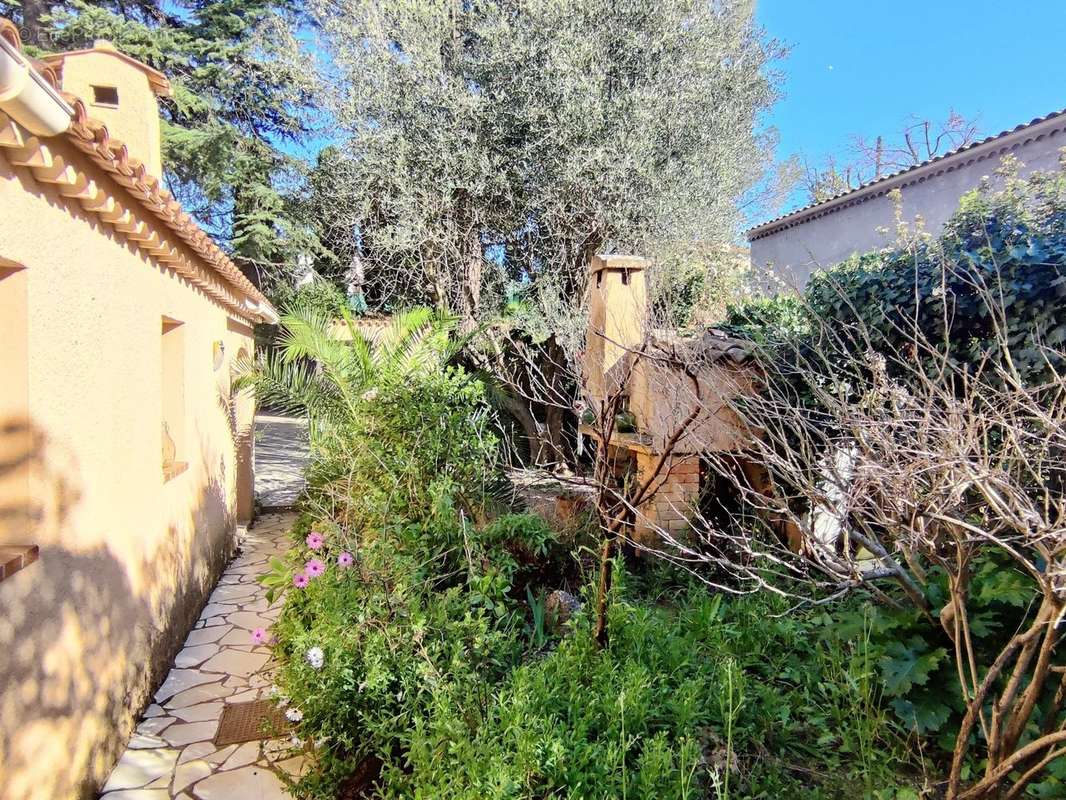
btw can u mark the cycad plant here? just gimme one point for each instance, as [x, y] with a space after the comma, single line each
[323, 365]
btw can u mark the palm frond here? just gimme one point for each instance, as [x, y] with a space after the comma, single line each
[295, 388]
[414, 340]
[308, 333]
[318, 372]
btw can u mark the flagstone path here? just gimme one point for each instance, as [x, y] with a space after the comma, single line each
[171, 754]
[281, 452]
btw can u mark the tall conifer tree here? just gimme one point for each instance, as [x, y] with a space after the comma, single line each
[240, 106]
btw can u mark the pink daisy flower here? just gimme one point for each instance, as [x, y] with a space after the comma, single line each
[314, 568]
[315, 540]
[300, 580]
[345, 560]
[260, 636]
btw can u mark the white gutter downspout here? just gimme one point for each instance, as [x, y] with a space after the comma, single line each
[268, 314]
[28, 98]
[263, 311]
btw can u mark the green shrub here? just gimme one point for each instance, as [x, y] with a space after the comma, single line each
[655, 714]
[423, 616]
[391, 655]
[768, 321]
[321, 295]
[986, 293]
[1009, 243]
[419, 670]
[416, 606]
[412, 444]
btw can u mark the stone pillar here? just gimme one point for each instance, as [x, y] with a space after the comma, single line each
[244, 443]
[618, 306]
[677, 490]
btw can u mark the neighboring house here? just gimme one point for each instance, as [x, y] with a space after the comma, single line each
[822, 234]
[125, 455]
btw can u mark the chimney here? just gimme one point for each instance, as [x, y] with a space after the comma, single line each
[618, 309]
[120, 92]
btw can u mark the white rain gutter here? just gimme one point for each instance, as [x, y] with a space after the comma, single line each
[28, 98]
[264, 311]
[269, 315]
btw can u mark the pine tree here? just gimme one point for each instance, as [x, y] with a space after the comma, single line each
[240, 108]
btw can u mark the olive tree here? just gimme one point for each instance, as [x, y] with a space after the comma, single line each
[491, 146]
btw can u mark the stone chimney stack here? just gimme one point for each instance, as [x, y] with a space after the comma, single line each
[119, 91]
[618, 310]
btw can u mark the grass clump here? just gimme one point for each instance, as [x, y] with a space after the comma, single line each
[705, 697]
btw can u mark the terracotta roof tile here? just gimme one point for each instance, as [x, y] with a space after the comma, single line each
[92, 138]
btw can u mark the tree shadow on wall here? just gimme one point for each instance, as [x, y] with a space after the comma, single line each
[81, 647]
[22, 460]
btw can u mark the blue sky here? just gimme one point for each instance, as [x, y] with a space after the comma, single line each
[864, 66]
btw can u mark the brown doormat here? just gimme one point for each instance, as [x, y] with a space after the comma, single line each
[251, 722]
[362, 783]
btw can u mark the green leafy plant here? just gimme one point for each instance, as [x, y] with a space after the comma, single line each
[1009, 241]
[768, 320]
[325, 362]
[537, 635]
[277, 579]
[685, 700]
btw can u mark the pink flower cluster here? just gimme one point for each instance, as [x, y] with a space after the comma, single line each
[312, 569]
[316, 567]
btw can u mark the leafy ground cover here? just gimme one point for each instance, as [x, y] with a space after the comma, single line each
[419, 658]
[416, 650]
[452, 685]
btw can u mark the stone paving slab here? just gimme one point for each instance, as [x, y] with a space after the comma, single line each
[281, 453]
[171, 755]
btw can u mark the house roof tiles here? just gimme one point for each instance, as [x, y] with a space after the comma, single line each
[92, 138]
[974, 151]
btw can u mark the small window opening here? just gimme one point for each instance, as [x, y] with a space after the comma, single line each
[173, 388]
[599, 279]
[105, 95]
[21, 441]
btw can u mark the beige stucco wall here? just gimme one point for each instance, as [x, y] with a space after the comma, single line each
[126, 559]
[136, 119]
[866, 221]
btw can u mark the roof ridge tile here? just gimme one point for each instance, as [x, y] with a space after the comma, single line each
[803, 212]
